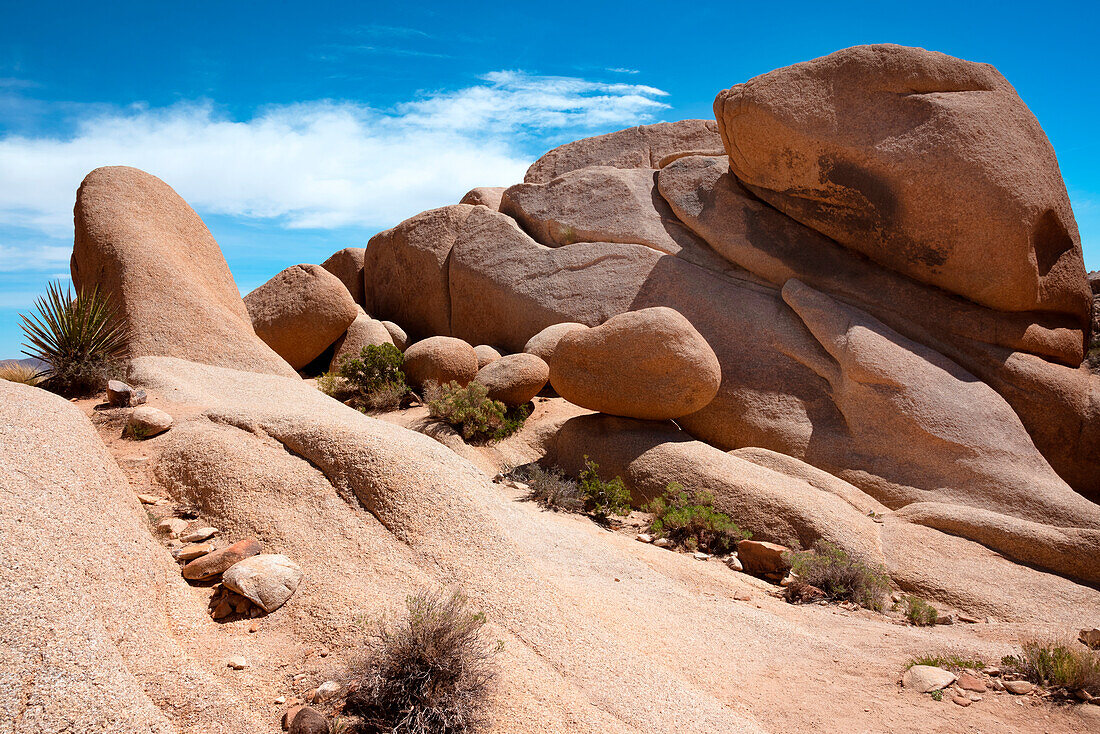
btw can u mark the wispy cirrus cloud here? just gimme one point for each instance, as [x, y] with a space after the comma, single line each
[316, 164]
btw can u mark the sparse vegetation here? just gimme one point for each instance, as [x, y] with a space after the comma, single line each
[936, 695]
[371, 382]
[946, 660]
[470, 410]
[840, 576]
[553, 490]
[603, 499]
[21, 373]
[1059, 664]
[136, 432]
[919, 612]
[79, 337]
[691, 521]
[433, 673]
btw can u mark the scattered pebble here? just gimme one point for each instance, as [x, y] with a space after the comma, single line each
[700, 555]
[960, 701]
[735, 563]
[198, 534]
[644, 538]
[148, 499]
[1019, 687]
[280, 700]
[237, 662]
[192, 551]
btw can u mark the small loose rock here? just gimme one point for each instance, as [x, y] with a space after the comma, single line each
[173, 526]
[644, 538]
[198, 535]
[237, 663]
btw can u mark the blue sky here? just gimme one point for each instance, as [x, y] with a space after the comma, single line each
[298, 129]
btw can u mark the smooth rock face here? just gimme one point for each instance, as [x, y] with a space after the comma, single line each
[514, 379]
[300, 312]
[649, 364]
[544, 343]
[485, 355]
[347, 265]
[489, 196]
[363, 332]
[309, 721]
[147, 421]
[899, 153]
[268, 579]
[397, 334]
[759, 557]
[440, 359]
[140, 243]
[645, 146]
[219, 561]
[927, 678]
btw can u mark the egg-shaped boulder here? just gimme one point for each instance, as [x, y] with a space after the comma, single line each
[485, 355]
[515, 378]
[440, 359]
[543, 344]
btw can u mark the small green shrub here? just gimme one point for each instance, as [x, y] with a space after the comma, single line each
[1057, 664]
[470, 410]
[553, 490]
[936, 695]
[692, 522]
[21, 373]
[920, 612]
[946, 660]
[373, 381]
[601, 498]
[840, 576]
[80, 338]
[433, 673]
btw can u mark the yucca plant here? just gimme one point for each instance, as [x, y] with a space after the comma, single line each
[79, 337]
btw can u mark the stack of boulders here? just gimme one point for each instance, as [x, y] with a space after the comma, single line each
[144, 421]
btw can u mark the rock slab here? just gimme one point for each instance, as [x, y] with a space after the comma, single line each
[267, 579]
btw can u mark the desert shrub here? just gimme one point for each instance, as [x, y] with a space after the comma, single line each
[470, 411]
[601, 498]
[432, 674]
[553, 490]
[840, 576]
[937, 695]
[920, 612]
[21, 373]
[946, 660]
[373, 381]
[1058, 664]
[692, 522]
[79, 337]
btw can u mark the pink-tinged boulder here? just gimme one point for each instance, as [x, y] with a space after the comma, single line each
[212, 564]
[514, 379]
[759, 557]
[301, 312]
[649, 364]
[405, 272]
[645, 146]
[139, 243]
[440, 359]
[544, 343]
[930, 165]
[484, 196]
[485, 355]
[397, 334]
[363, 332]
[347, 265]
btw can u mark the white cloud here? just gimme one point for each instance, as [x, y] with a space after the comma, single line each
[15, 258]
[316, 164]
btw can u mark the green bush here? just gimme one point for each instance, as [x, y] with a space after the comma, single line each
[840, 576]
[692, 522]
[372, 381]
[553, 490]
[80, 338]
[601, 498]
[470, 411]
[1058, 664]
[920, 612]
[432, 674]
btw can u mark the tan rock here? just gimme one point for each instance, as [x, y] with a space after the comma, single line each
[308, 721]
[363, 332]
[219, 561]
[141, 244]
[514, 379]
[172, 526]
[147, 421]
[648, 364]
[300, 312]
[971, 682]
[347, 265]
[645, 146]
[488, 196]
[941, 203]
[440, 359]
[193, 551]
[759, 557]
[485, 355]
[1019, 687]
[542, 344]
[927, 678]
[397, 334]
[267, 579]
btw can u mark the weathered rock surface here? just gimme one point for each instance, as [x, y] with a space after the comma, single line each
[308, 721]
[927, 678]
[514, 379]
[141, 244]
[485, 355]
[121, 395]
[147, 421]
[941, 203]
[440, 359]
[645, 146]
[221, 560]
[543, 344]
[267, 579]
[760, 557]
[347, 265]
[397, 334]
[362, 332]
[300, 312]
[648, 364]
[489, 196]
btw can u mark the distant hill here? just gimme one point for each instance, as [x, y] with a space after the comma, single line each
[27, 362]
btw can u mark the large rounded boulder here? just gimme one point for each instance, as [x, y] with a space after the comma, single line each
[347, 265]
[300, 312]
[363, 332]
[543, 344]
[649, 364]
[928, 164]
[514, 379]
[440, 359]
